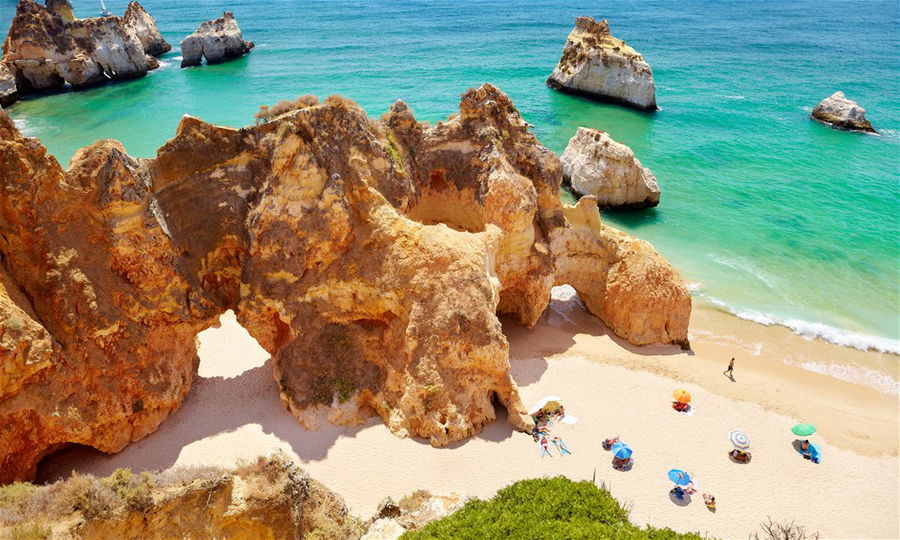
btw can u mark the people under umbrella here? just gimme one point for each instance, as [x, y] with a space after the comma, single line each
[546, 413]
[807, 449]
[683, 484]
[682, 401]
[621, 452]
[741, 442]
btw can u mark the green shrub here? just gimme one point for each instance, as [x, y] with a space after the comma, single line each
[546, 508]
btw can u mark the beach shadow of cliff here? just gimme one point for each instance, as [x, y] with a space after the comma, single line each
[214, 405]
[554, 334]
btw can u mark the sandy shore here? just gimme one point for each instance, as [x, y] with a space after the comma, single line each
[234, 412]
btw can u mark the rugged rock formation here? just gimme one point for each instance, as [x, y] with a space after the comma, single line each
[47, 48]
[271, 499]
[594, 164]
[218, 40]
[144, 27]
[597, 65]
[621, 279]
[411, 513]
[9, 94]
[843, 113]
[368, 257]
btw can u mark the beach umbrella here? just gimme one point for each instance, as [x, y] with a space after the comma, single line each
[621, 450]
[680, 477]
[682, 395]
[739, 439]
[803, 430]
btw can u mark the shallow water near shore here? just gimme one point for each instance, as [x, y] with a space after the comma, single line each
[769, 215]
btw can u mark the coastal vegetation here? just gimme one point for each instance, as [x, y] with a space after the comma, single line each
[544, 508]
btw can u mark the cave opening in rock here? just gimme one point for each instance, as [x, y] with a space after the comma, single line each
[228, 350]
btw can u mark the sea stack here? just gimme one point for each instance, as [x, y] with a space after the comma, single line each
[598, 65]
[218, 40]
[47, 48]
[840, 112]
[144, 26]
[369, 257]
[594, 164]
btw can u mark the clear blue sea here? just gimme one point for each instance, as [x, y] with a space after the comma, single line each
[768, 215]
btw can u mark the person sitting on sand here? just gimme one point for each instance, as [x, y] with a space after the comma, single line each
[681, 407]
[710, 501]
[607, 444]
[679, 493]
[740, 455]
[804, 446]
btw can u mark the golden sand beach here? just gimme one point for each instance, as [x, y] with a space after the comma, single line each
[234, 413]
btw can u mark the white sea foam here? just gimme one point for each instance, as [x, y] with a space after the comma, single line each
[746, 267]
[814, 330]
[853, 374]
[694, 286]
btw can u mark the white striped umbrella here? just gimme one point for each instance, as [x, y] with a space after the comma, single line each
[739, 439]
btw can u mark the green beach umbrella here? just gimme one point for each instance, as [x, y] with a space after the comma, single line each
[803, 430]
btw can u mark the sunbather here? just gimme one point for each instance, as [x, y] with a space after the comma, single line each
[804, 445]
[679, 493]
[560, 446]
[710, 501]
[680, 407]
[740, 455]
[545, 447]
[607, 444]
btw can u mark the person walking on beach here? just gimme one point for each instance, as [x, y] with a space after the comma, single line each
[730, 370]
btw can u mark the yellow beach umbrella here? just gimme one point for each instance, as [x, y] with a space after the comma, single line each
[682, 395]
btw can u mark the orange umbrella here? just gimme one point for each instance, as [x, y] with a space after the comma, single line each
[682, 395]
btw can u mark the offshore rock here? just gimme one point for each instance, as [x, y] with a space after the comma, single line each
[369, 258]
[598, 65]
[843, 113]
[144, 27]
[47, 48]
[594, 164]
[218, 40]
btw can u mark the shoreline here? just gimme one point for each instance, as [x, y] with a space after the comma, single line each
[234, 413]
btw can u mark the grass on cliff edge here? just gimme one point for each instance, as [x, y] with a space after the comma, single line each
[546, 508]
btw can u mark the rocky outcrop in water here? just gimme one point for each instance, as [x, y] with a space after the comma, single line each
[598, 65]
[144, 27]
[47, 48]
[218, 40]
[843, 113]
[594, 164]
[369, 258]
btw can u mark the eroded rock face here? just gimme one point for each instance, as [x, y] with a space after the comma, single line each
[370, 258]
[843, 113]
[47, 48]
[594, 164]
[218, 40]
[9, 94]
[144, 27]
[621, 279]
[596, 64]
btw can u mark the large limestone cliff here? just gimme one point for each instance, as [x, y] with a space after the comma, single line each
[218, 40]
[47, 48]
[598, 65]
[370, 258]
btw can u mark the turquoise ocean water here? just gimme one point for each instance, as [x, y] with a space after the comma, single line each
[768, 215]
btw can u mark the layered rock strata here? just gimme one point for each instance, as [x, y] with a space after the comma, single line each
[598, 65]
[47, 48]
[594, 164]
[840, 112]
[370, 258]
[9, 94]
[218, 40]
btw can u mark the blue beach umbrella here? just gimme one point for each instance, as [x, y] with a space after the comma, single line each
[621, 450]
[680, 477]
